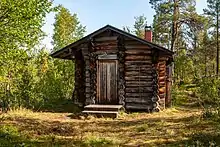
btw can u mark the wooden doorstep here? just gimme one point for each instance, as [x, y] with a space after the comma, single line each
[104, 106]
[100, 112]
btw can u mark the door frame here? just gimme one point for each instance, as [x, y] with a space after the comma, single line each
[106, 57]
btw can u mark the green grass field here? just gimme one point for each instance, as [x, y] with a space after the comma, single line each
[172, 127]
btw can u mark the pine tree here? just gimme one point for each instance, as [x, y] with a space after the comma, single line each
[214, 11]
[138, 27]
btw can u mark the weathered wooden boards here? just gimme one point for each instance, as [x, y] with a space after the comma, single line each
[107, 82]
[138, 77]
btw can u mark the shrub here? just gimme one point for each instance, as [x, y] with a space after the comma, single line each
[209, 91]
[209, 94]
[9, 135]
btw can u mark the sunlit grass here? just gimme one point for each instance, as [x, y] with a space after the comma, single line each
[171, 127]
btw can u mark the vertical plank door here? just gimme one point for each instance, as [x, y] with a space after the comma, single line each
[107, 82]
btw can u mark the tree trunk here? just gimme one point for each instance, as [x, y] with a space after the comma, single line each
[217, 28]
[174, 24]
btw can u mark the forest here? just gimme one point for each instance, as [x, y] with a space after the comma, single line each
[36, 90]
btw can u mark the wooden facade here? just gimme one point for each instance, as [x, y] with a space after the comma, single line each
[114, 67]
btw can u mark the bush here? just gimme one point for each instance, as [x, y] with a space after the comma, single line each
[209, 94]
[209, 91]
[9, 135]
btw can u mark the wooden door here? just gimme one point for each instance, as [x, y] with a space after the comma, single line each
[107, 82]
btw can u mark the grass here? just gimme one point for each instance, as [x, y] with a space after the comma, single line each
[172, 127]
[183, 125]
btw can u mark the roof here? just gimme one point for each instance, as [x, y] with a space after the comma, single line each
[109, 27]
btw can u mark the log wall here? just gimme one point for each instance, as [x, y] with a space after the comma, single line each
[142, 74]
[138, 76]
[85, 53]
[79, 91]
[162, 79]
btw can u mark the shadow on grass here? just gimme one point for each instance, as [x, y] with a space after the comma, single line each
[199, 139]
[61, 106]
[10, 136]
[158, 131]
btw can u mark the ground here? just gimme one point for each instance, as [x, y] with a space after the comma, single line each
[172, 127]
[182, 125]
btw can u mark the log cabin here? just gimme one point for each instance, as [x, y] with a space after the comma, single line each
[113, 67]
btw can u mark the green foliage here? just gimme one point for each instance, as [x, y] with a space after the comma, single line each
[209, 94]
[139, 26]
[142, 128]
[183, 66]
[67, 28]
[29, 77]
[209, 91]
[9, 136]
[97, 142]
[20, 30]
[21, 22]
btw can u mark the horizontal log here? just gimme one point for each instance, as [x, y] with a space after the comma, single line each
[138, 106]
[134, 68]
[97, 45]
[132, 57]
[138, 72]
[106, 47]
[139, 89]
[136, 47]
[100, 39]
[138, 100]
[139, 95]
[112, 51]
[162, 68]
[142, 70]
[141, 78]
[137, 83]
[162, 75]
[162, 83]
[163, 58]
[138, 62]
[138, 51]
[162, 72]
[128, 79]
[161, 79]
